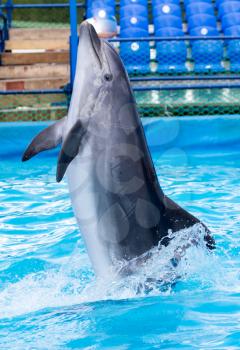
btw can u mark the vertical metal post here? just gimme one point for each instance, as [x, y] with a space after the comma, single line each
[73, 40]
[9, 4]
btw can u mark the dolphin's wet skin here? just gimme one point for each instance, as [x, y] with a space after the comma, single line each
[121, 210]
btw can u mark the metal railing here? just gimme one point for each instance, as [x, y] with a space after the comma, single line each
[4, 35]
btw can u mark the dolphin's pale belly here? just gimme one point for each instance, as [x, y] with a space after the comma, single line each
[112, 205]
[85, 203]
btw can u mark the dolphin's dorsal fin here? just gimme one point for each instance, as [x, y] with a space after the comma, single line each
[69, 148]
[45, 140]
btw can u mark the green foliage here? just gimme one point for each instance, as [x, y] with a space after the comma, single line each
[50, 15]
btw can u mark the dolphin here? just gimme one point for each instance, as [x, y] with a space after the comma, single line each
[121, 210]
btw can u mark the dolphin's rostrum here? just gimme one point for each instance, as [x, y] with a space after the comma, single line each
[120, 207]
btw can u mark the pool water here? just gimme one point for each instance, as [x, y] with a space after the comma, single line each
[49, 297]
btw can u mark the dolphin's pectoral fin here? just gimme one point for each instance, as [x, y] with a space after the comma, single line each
[177, 218]
[69, 149]
[45, 140]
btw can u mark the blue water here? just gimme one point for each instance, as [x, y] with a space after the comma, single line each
[49, 297]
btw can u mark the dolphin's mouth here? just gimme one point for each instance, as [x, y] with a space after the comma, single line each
[87, 30]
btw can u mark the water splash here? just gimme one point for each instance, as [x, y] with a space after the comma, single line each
[73, 281]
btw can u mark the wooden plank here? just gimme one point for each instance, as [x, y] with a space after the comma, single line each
[33, 58]
[46, 83]
[45, 44]
[35, 71]
[34, 33]
[33, 84]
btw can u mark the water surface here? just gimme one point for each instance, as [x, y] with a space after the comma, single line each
[49, 298]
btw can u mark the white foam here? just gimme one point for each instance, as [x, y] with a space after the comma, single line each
[74, 282]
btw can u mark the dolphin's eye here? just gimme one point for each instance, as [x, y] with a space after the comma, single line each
[108, 77]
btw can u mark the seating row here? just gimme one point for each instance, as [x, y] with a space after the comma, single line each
[201, 18]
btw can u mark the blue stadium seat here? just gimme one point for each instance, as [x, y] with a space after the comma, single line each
[204, 31]
[233, 31]
[167, 21]
[229, 20]
[156, 2]
[134, 22]
[228, 7]
[98, 8]
[133, 2]
[171, 55]
[135, 55]
[163, 9]
[207, 54]
[187, 2]
[133, 33]
[198, 7]
[201, 20]
[100, 12]
[219, 2]
[101, 2]
[169, 32]
[133, 10]
[233, 48]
